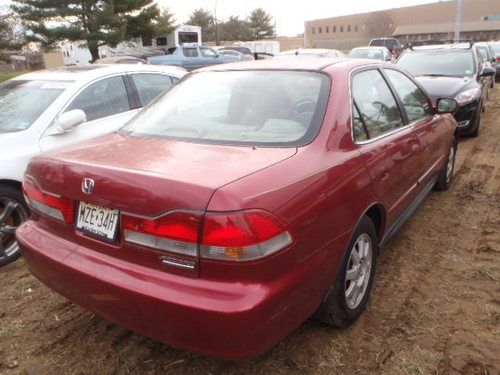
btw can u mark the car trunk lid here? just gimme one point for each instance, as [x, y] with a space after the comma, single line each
[144, 178]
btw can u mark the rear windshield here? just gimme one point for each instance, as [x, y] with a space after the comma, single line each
[268, 108]
[375, 54]
[440, 63]
[378, 42]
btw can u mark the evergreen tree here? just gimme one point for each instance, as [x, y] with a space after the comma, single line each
[97, 22]
[204, 19]
[261, 24]
[235, 29]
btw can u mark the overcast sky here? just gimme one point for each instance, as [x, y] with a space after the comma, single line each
[289, 14]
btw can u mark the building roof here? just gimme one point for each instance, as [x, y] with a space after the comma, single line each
[439, 28]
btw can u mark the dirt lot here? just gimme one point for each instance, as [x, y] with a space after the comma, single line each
[435, 307]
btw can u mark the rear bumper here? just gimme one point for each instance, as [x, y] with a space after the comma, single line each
[226, 320]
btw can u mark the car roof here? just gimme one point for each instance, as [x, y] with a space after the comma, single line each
[382, 48]
[91, 72]
[446, 46]
[292, 63]
[308, 50]
[117, 58]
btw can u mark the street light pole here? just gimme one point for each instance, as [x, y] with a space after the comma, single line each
[458, 19]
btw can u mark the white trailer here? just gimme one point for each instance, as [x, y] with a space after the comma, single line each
[262, 46]
[182, 34]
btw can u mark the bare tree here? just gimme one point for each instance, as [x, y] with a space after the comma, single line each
[379, 25]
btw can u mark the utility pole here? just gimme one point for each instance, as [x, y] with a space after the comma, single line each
[216, 33]
[458, 19]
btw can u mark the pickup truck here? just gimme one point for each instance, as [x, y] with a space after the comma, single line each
[191, 57]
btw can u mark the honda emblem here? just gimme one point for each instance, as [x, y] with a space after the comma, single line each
[88, 185]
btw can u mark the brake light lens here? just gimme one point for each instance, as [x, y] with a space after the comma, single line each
[243, 235]
[233, 236]
[498, 58]
[52, 205]
[176, 232]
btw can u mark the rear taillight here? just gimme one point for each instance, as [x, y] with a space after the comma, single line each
[243, 235]
[498, 59]
[235, 236]
[55, 206]
[176, 232]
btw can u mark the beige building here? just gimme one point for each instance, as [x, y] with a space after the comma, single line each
[481, 21]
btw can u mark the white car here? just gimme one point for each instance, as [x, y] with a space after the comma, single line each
[312, 52]
[50, 109]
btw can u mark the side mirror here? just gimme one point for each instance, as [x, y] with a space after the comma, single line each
[446, 105]
[488, 71]
[69, 120]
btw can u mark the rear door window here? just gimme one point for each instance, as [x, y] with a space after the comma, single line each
[149, 85]
[414, 100]
[103, 98]
[377, 106]
[190, 51]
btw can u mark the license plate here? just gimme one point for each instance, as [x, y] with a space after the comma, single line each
[97, 220]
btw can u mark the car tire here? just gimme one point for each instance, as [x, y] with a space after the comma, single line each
[348, 297]
[445, 178]
[13, 212]
[475, 131]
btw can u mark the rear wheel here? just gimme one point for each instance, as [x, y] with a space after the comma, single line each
[352, 287]
[446, 176]
[13, 212]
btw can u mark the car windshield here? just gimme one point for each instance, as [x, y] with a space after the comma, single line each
[377, 42]
[267, 108]
[23, 101]
[438, 63]
[367, 54]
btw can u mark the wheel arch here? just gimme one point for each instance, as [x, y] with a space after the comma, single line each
[376, 213]
[12, 183]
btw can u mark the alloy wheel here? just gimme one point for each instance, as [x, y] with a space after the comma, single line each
[358, 271]
[12, 214]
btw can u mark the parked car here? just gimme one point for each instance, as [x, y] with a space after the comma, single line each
[374, 53]
[495, 46]
[241, 49]
[313, 52]
[240, 56]
[124, 59]
[489, 59]
[263, 49]
[247, 198]
[393, 45]
[191, 56]
[46, 110]
[452, 70]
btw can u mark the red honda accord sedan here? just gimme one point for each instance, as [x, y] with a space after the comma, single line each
[240, 203]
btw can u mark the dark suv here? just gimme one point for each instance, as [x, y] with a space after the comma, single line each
[452, 70]
[392, 44]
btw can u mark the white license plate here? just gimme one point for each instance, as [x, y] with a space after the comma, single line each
[97, 220]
